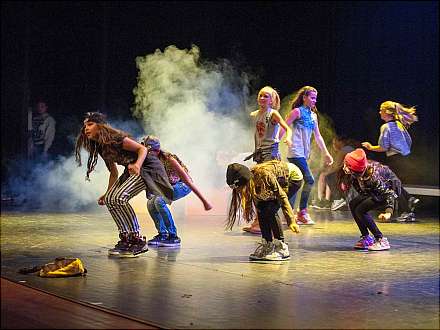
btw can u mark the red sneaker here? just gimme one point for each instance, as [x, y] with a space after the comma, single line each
[304, 218]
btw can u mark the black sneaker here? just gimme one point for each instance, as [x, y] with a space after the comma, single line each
[412, 203]
[137, 246]
[156, 240]
[121, 246]
[171, 241]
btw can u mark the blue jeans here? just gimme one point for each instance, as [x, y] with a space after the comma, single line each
[301, 162]
[160, 213]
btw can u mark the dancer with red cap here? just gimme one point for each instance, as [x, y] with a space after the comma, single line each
[378, 187]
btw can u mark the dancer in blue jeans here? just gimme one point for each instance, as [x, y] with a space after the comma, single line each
[182, 185]
[304, 121]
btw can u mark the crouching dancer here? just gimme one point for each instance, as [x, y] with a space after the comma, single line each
[378, 188]
[182, 184]
[142, 171]
[265, 188]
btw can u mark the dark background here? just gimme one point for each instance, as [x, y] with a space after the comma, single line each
[80, 56]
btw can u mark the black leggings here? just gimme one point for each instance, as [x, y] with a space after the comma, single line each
[270, 222]
[399, 165]
[359, 207]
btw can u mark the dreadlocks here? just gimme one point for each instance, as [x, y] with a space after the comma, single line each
[107, 135]
[242, 204]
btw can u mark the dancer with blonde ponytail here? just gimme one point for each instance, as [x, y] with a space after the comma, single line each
[396, 142]
[268, 122]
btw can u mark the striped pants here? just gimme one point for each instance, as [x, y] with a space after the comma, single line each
[117, 199]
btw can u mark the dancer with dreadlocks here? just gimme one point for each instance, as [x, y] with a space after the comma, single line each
[143, 171]
[266, 188]
[396, 142]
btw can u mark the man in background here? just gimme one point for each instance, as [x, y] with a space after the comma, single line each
[43, 132]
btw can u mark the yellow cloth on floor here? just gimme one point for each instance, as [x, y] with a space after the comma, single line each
[63, 267]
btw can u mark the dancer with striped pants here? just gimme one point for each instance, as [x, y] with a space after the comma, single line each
[143, 171]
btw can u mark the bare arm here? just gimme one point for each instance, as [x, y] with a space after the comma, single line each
[187, 180]
[291, 117]
[383, 143]
[277, 118]
[321, 144]
[131, 145]
[369, 146]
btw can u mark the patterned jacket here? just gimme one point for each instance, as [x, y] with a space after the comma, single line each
[378, 182]
[272, 180]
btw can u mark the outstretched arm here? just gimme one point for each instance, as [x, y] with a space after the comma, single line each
[369, 146]
[187, 180]
[321, 144]
[383, 144]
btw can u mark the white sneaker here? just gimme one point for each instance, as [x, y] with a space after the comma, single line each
[271, 253]
[380, 245]
[281, 249]
[260, 251]
[338, 203]
[407, 217]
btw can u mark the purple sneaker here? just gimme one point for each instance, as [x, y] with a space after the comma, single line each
[364, 243]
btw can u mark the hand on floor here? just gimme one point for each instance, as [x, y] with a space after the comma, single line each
[294, 227]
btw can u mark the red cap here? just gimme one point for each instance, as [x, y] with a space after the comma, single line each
[356, 160]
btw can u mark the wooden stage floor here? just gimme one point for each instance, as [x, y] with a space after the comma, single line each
[209, 282]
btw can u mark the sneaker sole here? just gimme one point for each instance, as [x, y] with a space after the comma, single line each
[114, 253]
[282, 259]
[337, 207]
[127, 255]
[269, 260]
[379, 249]
[132, 255]
[169, 245]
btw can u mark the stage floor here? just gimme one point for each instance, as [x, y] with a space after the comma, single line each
[209, 282]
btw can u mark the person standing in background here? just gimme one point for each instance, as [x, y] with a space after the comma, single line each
[43, 132]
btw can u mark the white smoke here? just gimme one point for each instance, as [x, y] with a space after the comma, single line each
[57, 185]
[198, 109]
